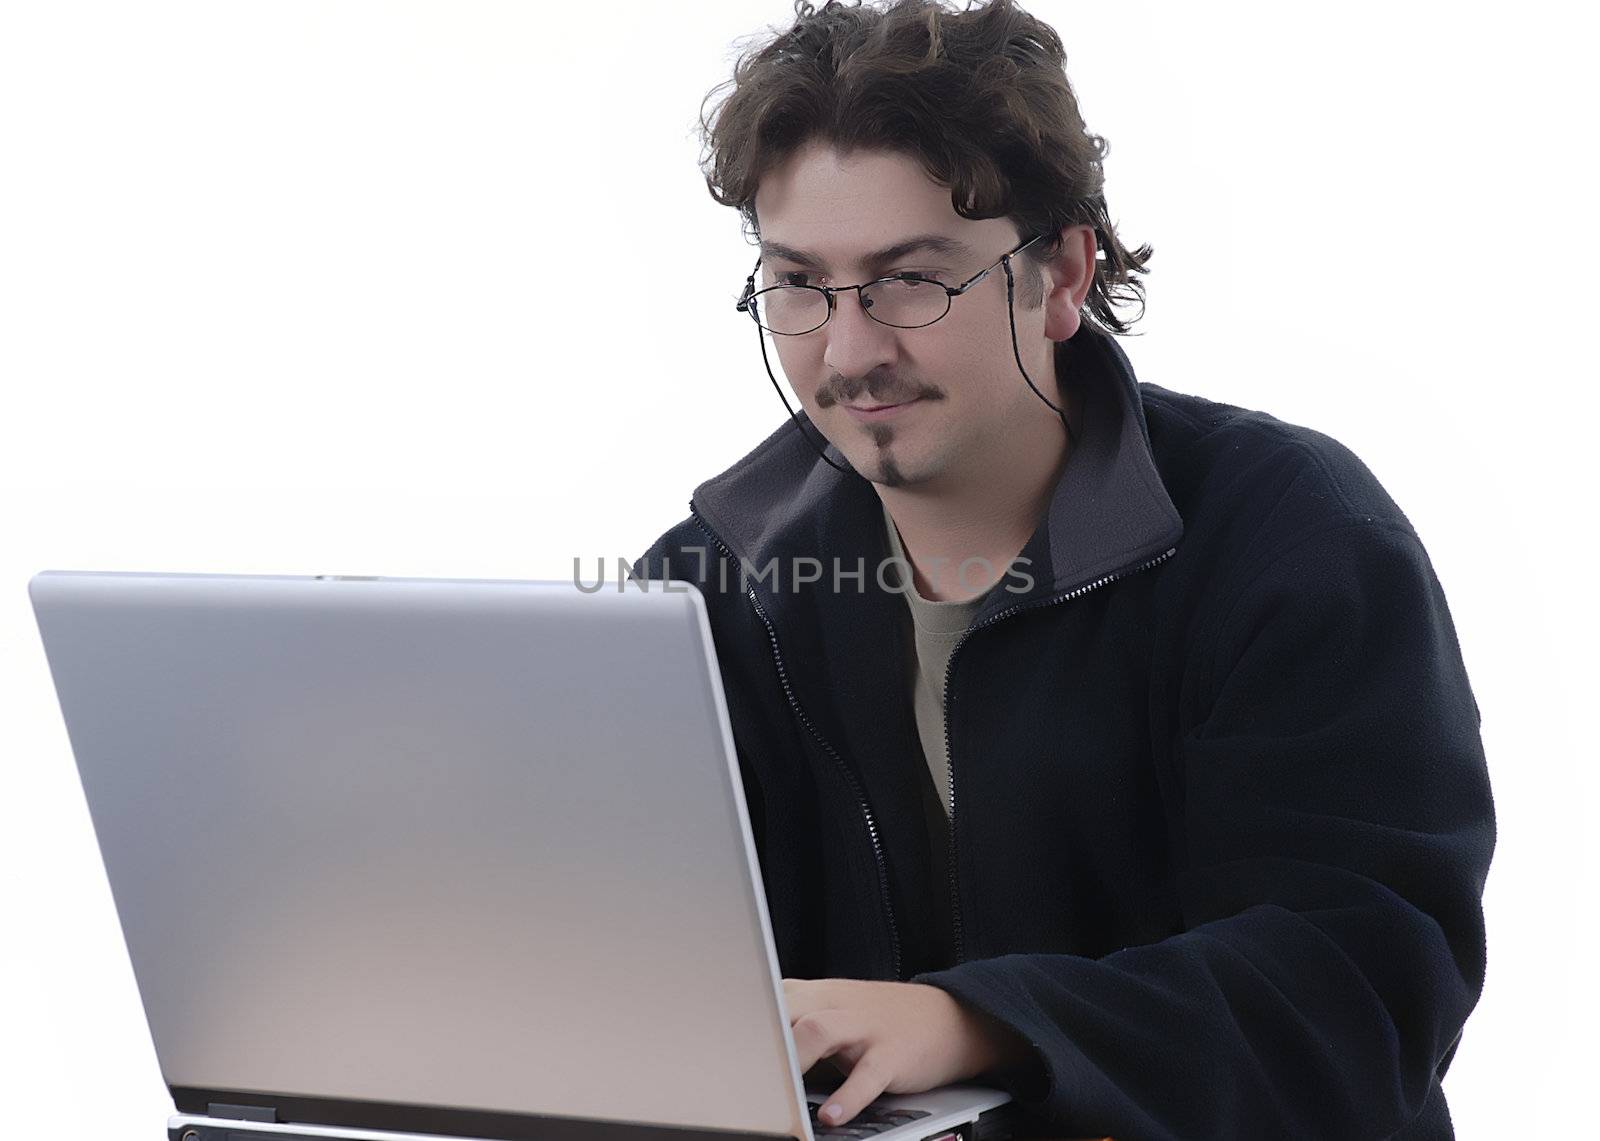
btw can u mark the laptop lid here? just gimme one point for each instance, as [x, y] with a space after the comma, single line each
[447, 856]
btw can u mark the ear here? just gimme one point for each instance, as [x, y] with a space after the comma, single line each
[1067, 278]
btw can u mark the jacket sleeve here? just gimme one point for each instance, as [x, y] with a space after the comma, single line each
[1338, 829]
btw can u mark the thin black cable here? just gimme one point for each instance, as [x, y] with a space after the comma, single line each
[1072, 437]
[793, 418]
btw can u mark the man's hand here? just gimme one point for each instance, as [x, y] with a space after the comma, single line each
[892, 1038]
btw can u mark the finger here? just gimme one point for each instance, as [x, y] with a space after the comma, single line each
[866, 1081]
[803, 996]
[821, 1034]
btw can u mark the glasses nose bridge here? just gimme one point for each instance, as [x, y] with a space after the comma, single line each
[833, 291]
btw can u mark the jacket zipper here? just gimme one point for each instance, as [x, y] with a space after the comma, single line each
[850, 777]
[949, 757]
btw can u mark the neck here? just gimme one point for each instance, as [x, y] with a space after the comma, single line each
[987, 516]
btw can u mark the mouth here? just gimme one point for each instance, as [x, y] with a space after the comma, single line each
[879, 411]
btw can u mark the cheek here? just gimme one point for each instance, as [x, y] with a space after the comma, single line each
[800, 361]
[961, 362]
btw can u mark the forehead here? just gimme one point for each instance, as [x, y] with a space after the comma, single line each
[839, 209]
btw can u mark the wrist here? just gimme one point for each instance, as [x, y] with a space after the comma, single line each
[993, 1044]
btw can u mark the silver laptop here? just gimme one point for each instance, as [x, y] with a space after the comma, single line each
[402, 859]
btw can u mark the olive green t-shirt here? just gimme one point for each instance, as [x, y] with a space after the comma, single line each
[937, 627]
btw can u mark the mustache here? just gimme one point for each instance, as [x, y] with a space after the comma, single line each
[881, 388]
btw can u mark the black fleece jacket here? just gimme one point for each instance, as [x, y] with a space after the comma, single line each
[1221, 812]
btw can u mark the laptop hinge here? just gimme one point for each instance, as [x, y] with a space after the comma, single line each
[242, 1112]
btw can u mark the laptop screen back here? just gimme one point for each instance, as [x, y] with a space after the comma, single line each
[467, 844]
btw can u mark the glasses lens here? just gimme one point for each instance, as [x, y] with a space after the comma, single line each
[906, 303]
[790, 308]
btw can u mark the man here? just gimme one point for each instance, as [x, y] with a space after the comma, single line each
[1155, 792]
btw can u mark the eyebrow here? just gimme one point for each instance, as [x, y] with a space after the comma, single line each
[932, 243]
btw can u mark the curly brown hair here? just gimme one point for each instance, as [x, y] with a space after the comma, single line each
[980, 97]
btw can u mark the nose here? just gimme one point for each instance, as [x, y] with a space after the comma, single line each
[856, 343]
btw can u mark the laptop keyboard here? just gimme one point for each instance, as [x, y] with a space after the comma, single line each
[863, 1124]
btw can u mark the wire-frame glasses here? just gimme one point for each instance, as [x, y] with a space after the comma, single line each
[901, 301]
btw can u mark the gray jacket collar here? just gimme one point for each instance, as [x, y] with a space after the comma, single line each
[1110, 511]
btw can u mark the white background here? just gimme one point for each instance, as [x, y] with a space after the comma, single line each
[415, 289]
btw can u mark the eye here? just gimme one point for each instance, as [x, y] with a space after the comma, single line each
[792, 277]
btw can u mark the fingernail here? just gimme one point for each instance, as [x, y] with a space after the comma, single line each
[832, 1112]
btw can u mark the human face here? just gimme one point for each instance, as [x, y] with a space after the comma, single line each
[908, 407]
